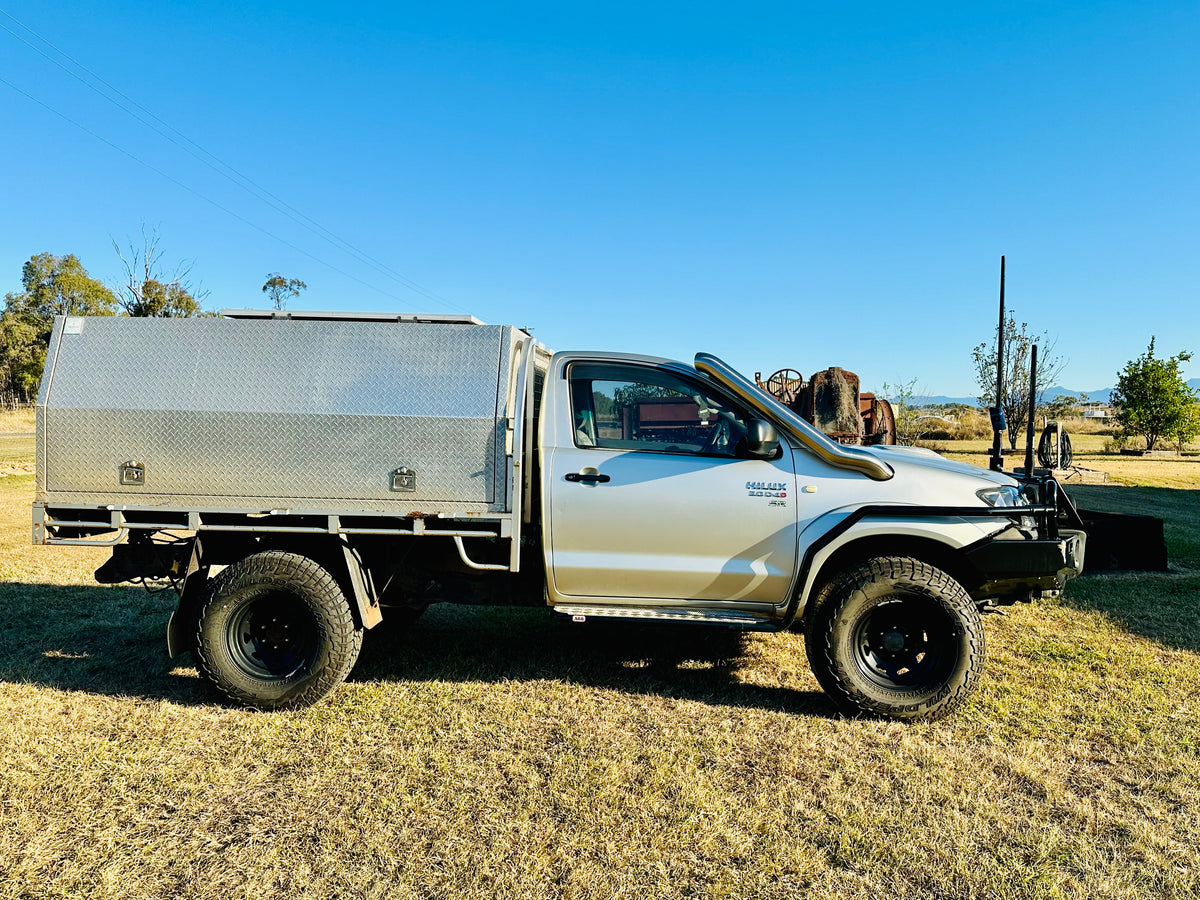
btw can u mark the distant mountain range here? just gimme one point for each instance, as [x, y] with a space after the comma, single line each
[1101, 395]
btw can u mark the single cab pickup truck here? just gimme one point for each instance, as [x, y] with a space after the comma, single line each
[299, 477]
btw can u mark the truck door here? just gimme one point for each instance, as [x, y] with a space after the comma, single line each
[650, 494]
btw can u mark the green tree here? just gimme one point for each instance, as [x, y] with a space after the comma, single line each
[281, 289]
[1018, 343]
[22, 357]
[147, 291]
[156, 299]
[53, 286]
[1153, 401]
[59, 286]
[1188, 428]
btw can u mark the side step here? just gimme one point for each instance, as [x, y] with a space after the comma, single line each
[732, 619]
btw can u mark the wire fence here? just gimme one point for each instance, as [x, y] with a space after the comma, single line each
[11, 401]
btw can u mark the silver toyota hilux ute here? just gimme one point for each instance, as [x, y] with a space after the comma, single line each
[279, 469]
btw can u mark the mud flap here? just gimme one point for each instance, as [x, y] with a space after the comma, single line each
[356, 577]
[362, 588]
[181, 626]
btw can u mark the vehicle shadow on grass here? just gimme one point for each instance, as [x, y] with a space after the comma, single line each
[690, 662]
[103, 640]
[1164, 607]
[1178, 508]
[111, 641]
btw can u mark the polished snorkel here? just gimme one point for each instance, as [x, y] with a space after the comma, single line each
[834, 454]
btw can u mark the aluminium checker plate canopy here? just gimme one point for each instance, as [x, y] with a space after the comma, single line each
[252, 413]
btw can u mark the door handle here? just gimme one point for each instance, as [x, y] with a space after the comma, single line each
[588, 477]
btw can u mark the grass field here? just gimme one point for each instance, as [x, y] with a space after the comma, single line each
[17, 421]
[494, 753]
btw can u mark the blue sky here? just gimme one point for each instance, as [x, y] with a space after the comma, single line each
[780, 184]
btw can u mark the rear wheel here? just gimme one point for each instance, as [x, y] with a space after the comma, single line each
[896, 637]
[275, 631]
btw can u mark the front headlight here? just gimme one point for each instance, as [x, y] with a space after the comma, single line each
[1003, 495]
[1007, 495]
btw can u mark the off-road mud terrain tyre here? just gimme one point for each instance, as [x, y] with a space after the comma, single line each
[898, 638]
[275, 631]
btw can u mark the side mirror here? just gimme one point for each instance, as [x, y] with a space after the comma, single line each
[762, 440]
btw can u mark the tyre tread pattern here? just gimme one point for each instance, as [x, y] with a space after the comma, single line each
[338, 633]
[838, 677]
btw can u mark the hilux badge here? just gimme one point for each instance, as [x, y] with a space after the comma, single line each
[766, 489]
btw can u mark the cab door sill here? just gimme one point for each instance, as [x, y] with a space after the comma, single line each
[731, 618]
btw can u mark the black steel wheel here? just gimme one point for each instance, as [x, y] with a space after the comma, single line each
[272, 635]
[275, 631]
[896, 637]
[905, 641]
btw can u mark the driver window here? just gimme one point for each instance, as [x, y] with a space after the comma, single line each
[619, 407]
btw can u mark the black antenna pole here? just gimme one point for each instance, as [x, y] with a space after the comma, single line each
[997, 411]
[1032, 406]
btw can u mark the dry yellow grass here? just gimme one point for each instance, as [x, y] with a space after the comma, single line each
[494, 753]
[17, 421]
[1165, 471]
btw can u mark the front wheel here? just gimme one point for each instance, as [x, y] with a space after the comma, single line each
[275, 631]
[896, 637]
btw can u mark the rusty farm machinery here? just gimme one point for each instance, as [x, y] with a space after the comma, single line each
[831, 401]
